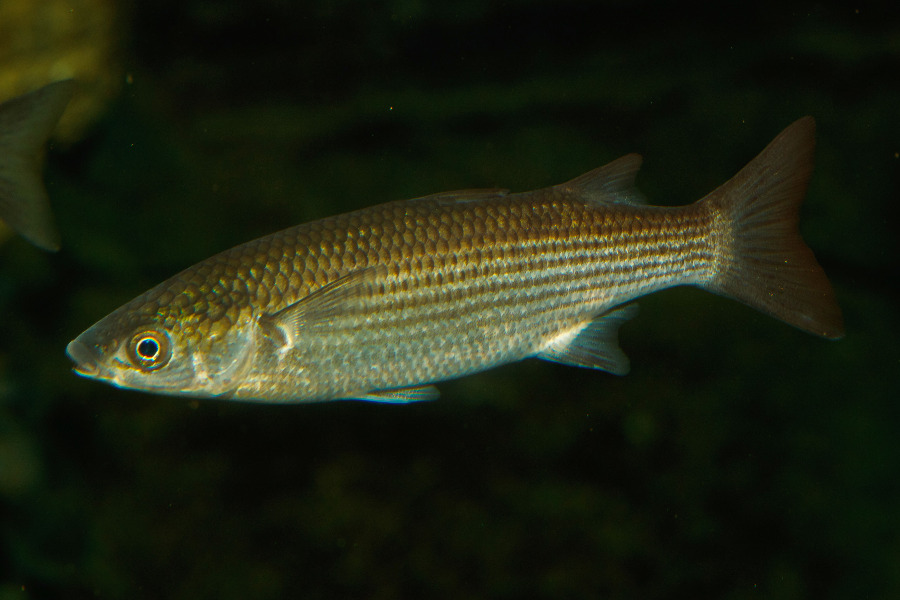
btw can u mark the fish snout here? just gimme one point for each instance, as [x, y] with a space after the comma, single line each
[86, 361]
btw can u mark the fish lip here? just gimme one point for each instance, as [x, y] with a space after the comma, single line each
[85, 360]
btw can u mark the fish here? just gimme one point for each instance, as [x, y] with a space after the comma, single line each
[26, 123]
[381, 303]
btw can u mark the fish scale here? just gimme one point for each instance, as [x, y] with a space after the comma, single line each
[500, 299]
[380, 303]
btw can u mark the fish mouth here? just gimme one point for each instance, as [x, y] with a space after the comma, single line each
[85, 360]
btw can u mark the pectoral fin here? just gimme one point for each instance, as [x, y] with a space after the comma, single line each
[596, 346]
[321, 307]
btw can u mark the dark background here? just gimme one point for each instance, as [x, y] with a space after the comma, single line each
[740, 458]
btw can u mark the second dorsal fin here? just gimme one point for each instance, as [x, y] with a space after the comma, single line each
[612, 183]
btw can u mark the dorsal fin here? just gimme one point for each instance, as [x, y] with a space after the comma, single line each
[612, 183]
[473, 195]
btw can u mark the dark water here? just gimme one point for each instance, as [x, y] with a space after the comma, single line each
[739, 459]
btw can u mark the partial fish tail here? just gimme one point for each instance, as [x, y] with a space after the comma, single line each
[25, 124]
[761, 259]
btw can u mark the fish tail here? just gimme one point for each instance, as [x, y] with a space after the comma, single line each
[25, 124]
[761, 259]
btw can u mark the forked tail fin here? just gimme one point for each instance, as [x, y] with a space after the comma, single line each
[761, 259]
[25, 124]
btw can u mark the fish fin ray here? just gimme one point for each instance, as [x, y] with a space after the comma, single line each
[763, 260]
[323, 305]
[25, 125]
[596, 346]
[406, 395]
[612, 183]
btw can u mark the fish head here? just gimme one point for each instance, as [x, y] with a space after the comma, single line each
[171, 340]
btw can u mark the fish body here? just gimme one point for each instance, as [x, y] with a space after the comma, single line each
[379, 303]
[26, 122]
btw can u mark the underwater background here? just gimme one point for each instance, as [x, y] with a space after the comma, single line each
[740, 458]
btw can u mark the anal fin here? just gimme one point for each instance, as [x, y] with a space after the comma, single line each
[596, 346]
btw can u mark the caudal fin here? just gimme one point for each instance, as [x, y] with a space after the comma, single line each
[761, 258]
[25, 124]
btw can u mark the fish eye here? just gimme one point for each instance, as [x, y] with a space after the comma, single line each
[149, 350]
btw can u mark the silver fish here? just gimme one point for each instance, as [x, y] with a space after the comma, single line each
[380, 303]
[26, 122]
